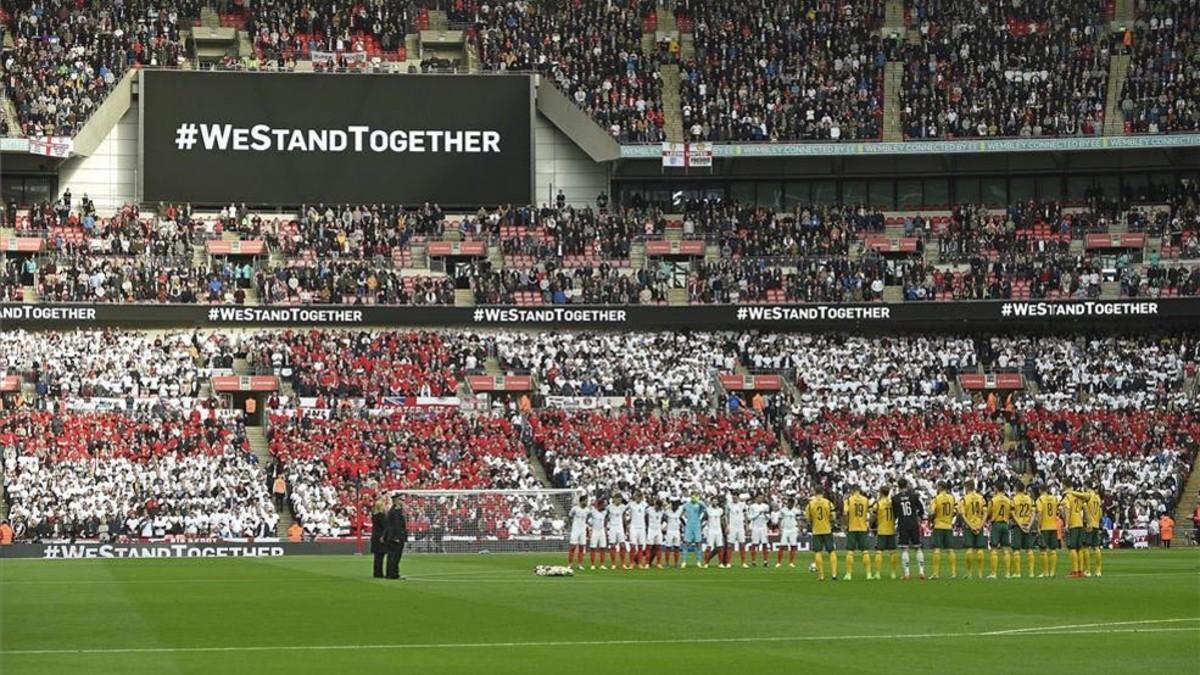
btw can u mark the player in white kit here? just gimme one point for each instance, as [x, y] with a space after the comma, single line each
[617, 546]
[737, 526]
[637, 530]
[788, 518]
[599, 542]
[578, 541]
[714, 541]
[654, 535]
[673, 540]
[758, 513]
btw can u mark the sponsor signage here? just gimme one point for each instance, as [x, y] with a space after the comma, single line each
[500, 383]
[886, 244]
[24, 244]
[977, 381]
[446, 248]
[1047, 314]
[293, 138]
[662, 247]
[172, 549]
[929, 147]
[242, 383]
[236, 246]
[1125, 240]
[734, 382]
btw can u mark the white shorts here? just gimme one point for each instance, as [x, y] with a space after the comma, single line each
[637, 538]
[737, 536]
[578, 537]
[616, 537]
[655, 538]
[758, 536]
[674, 539]
[789, 537]
[598, 539]
[715, 539]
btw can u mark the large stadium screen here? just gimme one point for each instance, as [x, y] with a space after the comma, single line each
[287, 138]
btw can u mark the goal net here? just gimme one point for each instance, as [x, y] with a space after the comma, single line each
[501, 521]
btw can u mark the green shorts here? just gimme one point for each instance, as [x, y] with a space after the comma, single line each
[1095, 538]
[885, 542]
[1000, 535]
[1022, 540]
[1049, 539]
[943, 538]
[822, 542]
[973, 539]
[1075, 538]
[856, 541]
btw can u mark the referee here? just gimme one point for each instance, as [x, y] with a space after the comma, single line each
[395, 538]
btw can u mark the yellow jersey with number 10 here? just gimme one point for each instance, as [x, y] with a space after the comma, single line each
[943, 511]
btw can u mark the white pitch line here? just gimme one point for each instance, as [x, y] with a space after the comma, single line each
[1075, 626]
[1048, 630]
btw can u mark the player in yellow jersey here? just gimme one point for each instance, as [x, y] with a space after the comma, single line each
[1095, 513]
[943, 511]
[885, 531]
[819, 514]
[856, 514]
[1074, 504]
[1024, 534]
[1047, 508]
[1089, 551]
[999, 515]
[973, 509]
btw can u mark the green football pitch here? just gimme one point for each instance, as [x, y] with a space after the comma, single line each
[490, 614]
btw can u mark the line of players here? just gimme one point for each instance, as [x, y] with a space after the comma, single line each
[642, 534]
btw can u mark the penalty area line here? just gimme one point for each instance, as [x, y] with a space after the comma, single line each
[1076, 629]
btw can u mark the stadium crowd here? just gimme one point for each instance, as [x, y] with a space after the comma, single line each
[855, 410]
[1160, 90]
[1006, 69]
[340, 367]
[136, 475]
[66, 56]
[592, 51]
[768, 71]
[338, 461]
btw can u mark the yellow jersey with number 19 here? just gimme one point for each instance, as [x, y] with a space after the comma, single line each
[857, 516]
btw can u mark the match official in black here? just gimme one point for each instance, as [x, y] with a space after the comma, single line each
[397, 537]
[379, 534]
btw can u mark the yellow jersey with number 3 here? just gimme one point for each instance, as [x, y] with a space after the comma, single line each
[819, 514]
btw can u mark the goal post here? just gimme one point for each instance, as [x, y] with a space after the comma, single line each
[497, 521]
